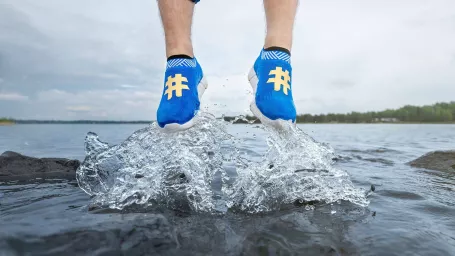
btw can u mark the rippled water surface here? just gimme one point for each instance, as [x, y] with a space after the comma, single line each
[223, 189]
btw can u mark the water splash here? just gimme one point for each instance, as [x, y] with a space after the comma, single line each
[177, 170]
[152, 167]
[296, 168]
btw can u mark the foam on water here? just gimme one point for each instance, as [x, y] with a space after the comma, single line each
[177, 170]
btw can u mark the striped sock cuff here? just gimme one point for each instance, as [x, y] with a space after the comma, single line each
[181, 62]
[275, 55]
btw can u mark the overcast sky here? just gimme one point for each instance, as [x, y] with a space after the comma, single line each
[104, 59]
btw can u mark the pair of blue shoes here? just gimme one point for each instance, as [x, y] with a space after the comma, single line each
[184, 85]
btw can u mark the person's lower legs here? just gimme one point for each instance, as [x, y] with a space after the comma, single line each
[177, 16]
[280, 16]
[271, 75]
[184, 82]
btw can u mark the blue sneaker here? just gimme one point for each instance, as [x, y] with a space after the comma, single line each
[184, 85]
[271, 79]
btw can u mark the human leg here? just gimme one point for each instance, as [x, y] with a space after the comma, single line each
[280, 16]
[177, 17]
[271, 75]
[184, 81]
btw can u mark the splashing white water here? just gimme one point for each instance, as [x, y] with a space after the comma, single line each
[177, 170]
[295, 169]
[154, 167]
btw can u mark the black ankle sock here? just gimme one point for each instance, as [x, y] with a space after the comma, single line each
[179, 56]
[276, 48]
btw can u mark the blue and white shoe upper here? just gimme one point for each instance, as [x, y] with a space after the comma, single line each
[184, 85]
[271, 79]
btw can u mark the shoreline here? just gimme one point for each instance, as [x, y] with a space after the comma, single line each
[122, 123]
[5, 123]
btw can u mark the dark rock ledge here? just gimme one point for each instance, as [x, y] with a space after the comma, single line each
[437, 160]
[17, 167]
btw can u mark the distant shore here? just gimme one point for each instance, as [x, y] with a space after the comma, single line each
[5, 123]
[439, 113]
[77, 122]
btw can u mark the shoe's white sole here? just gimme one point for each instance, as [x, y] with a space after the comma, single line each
[175, 127]
[278, 123]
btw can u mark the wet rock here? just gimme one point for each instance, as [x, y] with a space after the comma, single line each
[17, 167]
[437, 160]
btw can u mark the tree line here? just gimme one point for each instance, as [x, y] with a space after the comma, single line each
[436, 113]
[6, 120]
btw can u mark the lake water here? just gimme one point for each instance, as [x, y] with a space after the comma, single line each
[411, 212]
